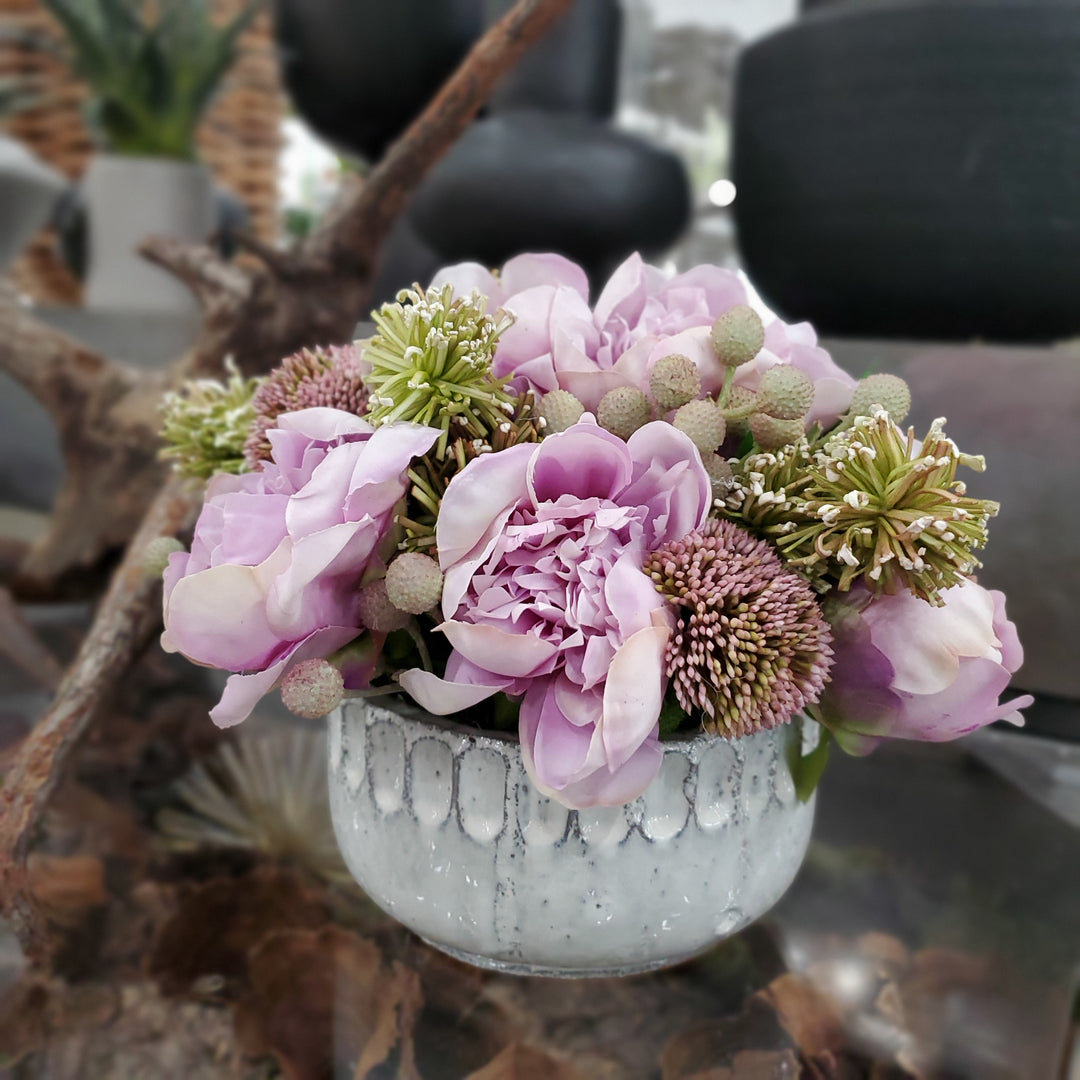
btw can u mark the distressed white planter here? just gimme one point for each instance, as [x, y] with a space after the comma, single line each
[441, 826]
[127, 200]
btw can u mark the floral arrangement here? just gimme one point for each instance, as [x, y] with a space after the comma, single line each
[601, 525]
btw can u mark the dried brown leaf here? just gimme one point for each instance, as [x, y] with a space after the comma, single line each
[67, 886]
[891, 956]
[39, 1006]
[711, 1045]
[806, 1014]
[755, 1065]
[325, 1003]
[522, 1062]
[217, 924]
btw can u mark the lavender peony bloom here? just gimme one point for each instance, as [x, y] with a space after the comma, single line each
[905, 669]
[641, 316]
[544, 597]
[278, 554]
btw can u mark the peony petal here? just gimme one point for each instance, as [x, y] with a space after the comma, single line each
[528, 270]
[670, 480]
[584, 461]
[925, 643]
[218, 617]
[624, 294]
[443, 696]
[631, 596]
[323, 424]
[555, 750]
[295, 603]
[633, 694]
[243, 692]
[1012, 653]
[971, 701]
[487, 487]
[466, 276]
[494, 650]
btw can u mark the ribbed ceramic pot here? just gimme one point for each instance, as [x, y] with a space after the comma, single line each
[442, 827]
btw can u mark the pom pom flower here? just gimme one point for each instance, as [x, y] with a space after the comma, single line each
[322, 377]
[750, 648]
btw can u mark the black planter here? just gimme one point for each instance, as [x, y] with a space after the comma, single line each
[910, 170]
[574, 68]
[538, 181]
[359, 71]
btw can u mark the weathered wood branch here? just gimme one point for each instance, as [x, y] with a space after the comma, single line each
[57, 370]
[351, 236]
[22, 647]
[126, 618]
[213, 280]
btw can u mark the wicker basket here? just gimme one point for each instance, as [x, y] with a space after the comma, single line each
[240, 139]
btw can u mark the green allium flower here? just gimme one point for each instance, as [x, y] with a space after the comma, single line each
[431, 474]
[206, 424]
[868, 503]
[431, 363]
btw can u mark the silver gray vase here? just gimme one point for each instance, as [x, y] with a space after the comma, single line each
[441, 826]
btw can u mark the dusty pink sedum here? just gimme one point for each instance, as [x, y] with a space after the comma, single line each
[905, 669]
[544, 597]
[278, 554]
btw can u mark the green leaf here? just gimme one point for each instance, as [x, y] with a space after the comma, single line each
[152, 78]
[672, 716]
[807, 769]
[91, 59]
[504, 713]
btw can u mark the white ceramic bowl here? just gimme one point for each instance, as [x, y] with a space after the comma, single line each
[441, 826]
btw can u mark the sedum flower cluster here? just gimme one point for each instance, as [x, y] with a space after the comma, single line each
[605, 521]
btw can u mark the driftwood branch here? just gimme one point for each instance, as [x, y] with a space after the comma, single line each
[54, 368]
[125, 620]
[352, 235]
[207, 274]
[21, 645]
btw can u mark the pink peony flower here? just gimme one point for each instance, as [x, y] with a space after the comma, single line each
[904, 669]
[641, 315]
[544, 597]
[278, 554]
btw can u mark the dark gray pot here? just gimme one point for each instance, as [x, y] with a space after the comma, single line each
[910, 169]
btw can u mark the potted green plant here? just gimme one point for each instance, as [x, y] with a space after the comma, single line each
[28, 187]
[153, 70]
